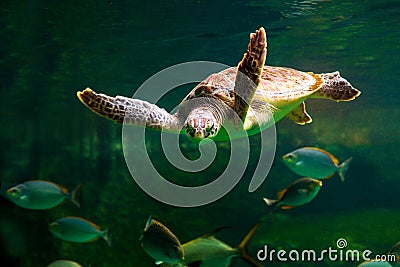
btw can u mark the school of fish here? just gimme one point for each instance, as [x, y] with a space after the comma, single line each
[159, 242]
[314, 165]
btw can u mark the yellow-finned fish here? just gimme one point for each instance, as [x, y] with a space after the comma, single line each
[298, 193]
[160, 243]
[75, 229]
[41, 195]
[64, 263]
[315, 163]
[208, 251]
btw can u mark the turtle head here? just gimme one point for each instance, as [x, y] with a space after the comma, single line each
[201, 123]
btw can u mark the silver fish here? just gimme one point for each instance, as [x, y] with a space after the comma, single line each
[393, 262]
[298, 193]
[395, 250]
[41, 195]
[373, 263]
[208, 251]
[315, 163]
[64, 263]
[160, 243]
[75, 229]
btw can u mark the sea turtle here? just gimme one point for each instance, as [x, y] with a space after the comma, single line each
[252, 93]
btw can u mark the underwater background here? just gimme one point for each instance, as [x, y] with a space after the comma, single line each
[51, 49]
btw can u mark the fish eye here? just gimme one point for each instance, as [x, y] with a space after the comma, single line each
[290, 157]
[13, 190]
[177, 251]
[54, 225]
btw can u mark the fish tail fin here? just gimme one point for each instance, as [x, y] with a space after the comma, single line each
[243, 245]
[342, 168]
[76, 196]
[107, 235]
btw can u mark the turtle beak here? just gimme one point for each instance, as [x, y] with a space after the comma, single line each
[193, 130]
[199, 128]
[201, 125]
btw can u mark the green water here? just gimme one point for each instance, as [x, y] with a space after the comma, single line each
[51, 49]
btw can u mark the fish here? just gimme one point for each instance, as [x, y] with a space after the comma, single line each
[160, 243]
[391, 262]
[298, 193]
[42, 195]
[208, 251]
[374, 263]
[315, 163]
[64, 263]
[76, 229]
[395, 250]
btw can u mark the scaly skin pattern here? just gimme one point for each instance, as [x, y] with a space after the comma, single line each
[272, 93]
[249, 72]
[336, 88]
[130, 111]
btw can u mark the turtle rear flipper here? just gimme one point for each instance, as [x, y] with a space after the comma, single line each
[299, 115]
[335, 87]
[249, 72]
[130, 111]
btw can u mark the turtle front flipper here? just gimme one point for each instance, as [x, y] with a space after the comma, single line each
[130, 111]
[249, 72]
